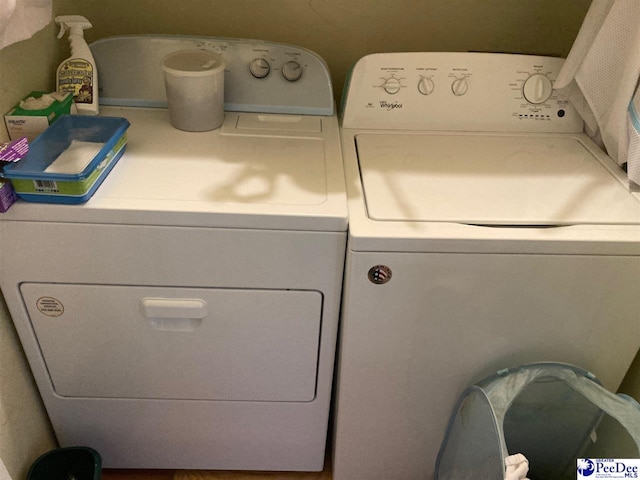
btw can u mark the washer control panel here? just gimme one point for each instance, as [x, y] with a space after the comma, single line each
[458, 91]
[259, 76]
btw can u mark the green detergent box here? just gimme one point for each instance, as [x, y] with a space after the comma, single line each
[69, 161]
[27, 120]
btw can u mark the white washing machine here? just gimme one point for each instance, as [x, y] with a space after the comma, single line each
[485, 231]
[186, 315]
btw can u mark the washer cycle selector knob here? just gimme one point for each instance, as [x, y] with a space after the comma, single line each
[537, 89]
[391, 85]
[460, 86]
[259, 67]
[425, 85]
[292, 71]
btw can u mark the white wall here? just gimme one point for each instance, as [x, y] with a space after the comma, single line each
[342, 31]
[27, 66]
[25, 432]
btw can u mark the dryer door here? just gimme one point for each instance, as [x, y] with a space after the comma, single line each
[177, 343]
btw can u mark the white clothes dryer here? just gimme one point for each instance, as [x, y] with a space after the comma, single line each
[186, 315]
[485, 231]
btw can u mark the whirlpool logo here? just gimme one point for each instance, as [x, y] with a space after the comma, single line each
[390, 105]
[608, 468]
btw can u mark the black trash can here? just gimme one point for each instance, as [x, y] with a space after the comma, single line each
[70, 463]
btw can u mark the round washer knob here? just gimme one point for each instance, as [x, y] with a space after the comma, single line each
[259, 67]
[537, 89]
[292, 71]
[391, 85]
[459, 86]
[425, 85]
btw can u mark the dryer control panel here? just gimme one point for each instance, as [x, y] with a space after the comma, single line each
[458, 92]
[260, 76]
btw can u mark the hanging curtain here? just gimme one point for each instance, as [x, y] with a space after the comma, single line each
[4, 475]
[600, 77]
[20, 19]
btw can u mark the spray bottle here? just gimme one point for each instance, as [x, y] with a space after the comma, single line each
[78, 74]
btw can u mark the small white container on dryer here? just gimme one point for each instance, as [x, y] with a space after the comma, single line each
[194, 81]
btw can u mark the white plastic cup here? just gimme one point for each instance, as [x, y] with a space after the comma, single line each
[194, 82]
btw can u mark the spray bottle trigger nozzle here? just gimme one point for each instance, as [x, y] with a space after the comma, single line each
[72, 22]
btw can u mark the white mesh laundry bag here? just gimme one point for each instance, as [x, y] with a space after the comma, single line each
[552, 413]
[633, 127]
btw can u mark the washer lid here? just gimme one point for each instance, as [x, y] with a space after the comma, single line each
[491, 180]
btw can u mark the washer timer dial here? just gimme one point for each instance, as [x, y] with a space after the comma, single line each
[537, 89]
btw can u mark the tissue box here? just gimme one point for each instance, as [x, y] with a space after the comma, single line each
[31, 123]
[69, 161]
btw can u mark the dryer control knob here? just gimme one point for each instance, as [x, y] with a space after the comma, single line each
[292, 71]
[259, 67]
[392, 85]
[425, 85]
[460, 86]
[537, 89]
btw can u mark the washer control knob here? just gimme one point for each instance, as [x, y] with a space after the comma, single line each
[292, 71]
[460, 86]
[259, 67]
[379, 274]
[537, 89]
[391, 85]
[425, 85]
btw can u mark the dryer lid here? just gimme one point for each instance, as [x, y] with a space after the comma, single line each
[501, 180]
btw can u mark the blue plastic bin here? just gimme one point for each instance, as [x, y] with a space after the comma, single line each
[32, 182]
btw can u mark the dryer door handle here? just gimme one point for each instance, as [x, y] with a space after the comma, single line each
[174, 314]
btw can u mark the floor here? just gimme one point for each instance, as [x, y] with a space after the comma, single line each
[212, 475]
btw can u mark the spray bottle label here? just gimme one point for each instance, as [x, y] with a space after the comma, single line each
[75, 77]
